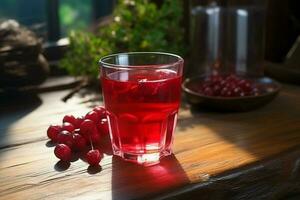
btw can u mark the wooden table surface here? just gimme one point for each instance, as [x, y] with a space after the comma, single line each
[252, 155]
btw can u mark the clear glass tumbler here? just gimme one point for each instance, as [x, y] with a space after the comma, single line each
[141, 92]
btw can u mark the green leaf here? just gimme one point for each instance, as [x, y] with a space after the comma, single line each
[137, 25]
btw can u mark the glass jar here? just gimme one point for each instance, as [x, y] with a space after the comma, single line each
[227, 37]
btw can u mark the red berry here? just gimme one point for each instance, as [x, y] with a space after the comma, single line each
[245, 85]
[95, 137]
[215, 79]
[77, 130]
[237, 91]
[53, 132]
[101, 111]
[232, 78]
[65, 137]
[208, 91]
[216, 90]
[79, 143]
[63, 152]
[68, 127]
[224, 91]
[92, 116]
[70, 119]
[223, 83]
[79, 120]
[228, 86]
[242, 94]
[87, 127]
[103, 127]
[93, 157]
[228, 94]
[205, 85]
[231, 86]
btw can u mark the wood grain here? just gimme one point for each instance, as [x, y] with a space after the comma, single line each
[216, 156]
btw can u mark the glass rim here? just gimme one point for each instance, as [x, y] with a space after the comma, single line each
[144, 66]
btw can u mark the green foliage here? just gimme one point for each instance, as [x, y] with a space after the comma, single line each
[83, 54]
[74, 14]
[138, 25]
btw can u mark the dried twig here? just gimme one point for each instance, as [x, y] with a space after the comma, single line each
[83, 84]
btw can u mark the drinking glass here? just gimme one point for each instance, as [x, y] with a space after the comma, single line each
[141, 92]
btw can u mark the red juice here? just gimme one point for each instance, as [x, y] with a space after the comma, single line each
[142, 107]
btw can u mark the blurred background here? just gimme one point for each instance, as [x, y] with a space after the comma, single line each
[52, 20]
[46, 38]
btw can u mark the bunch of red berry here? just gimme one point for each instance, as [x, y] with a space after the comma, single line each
[227, 86]
[79, 134]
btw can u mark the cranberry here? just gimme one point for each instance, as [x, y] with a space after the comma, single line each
[205, 85]
[224, 91]
[232, 79]
[93, 157]
[70, 119]
[103, 127]
[229, 93]
[77, 130]
[79, 143]
[208, 91]
[216, 90]
[65, 137]
[231, 85]
[92, 115]
[87, 127]
[245, 85]
[78, 122]
[53, 132]
[68, 127]
[215, 79]
[63, 152]
[228, 86]
[223, 83]
[101, 111]
[237, 91]
[95, 137]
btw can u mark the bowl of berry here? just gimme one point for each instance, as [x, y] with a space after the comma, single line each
[230, 92]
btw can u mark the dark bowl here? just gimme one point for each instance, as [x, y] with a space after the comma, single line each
[270, 89]
[283, 73]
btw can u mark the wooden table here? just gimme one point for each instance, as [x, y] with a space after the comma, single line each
[252, 155]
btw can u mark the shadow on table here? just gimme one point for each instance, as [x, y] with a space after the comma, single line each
[13, 107]
[132, 181]
[104, 147]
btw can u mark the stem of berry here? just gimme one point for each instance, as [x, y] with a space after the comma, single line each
[91, 142]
